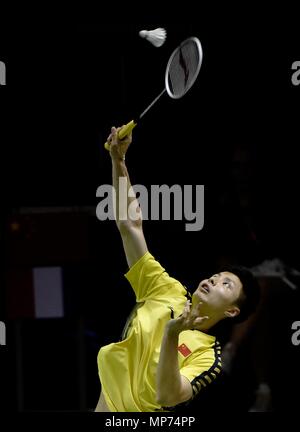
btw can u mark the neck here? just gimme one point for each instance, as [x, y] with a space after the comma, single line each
[208, 323]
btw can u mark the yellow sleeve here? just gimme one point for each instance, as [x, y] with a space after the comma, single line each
[150, 280]
[202, 370]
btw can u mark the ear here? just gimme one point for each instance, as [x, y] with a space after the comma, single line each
[232, 312]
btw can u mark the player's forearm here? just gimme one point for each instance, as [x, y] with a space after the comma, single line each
[168, 378]
[125, 202]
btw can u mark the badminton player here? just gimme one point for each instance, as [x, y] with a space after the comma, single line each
[168, 353]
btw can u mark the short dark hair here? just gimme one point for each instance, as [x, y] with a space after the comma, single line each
[250, 294]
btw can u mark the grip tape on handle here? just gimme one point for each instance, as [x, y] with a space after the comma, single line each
[123, 132]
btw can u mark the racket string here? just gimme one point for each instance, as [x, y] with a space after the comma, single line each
[183, 68]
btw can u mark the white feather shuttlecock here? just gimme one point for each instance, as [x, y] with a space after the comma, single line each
[157, 37]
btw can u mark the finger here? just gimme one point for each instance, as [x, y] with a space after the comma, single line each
[186, 310]
[200, 320]
[186, 303]
[118, 130]
[113, 133]
[108, 138]
[188, 306]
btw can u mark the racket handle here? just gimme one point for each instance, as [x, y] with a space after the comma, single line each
[123, 132]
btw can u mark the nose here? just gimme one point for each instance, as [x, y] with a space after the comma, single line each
[211, 280]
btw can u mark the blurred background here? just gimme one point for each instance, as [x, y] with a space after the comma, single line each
[63, 294]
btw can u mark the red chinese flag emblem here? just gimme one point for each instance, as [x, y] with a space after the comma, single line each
[184, 350]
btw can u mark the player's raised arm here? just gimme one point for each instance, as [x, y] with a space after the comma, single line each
[127, 211]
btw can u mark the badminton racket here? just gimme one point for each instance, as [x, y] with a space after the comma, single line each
[181, 72]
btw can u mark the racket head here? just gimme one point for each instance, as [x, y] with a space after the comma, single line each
[183, 67]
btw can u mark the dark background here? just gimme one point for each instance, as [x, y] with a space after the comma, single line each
[236, 132]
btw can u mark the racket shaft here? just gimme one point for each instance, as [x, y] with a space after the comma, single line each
[123, 132]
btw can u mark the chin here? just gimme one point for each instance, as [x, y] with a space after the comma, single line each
[198, 297]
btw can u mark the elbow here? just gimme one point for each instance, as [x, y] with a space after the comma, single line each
[133, 220]
[166, 392]
[174, 396]
[161, 400]
[161, 396]
[123, 226]
[127, 226]
[166, 400]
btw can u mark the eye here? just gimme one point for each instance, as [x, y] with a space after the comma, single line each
[227, 284]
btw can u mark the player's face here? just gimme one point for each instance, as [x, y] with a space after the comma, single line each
[219, 293]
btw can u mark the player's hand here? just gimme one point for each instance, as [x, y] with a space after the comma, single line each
[190, 319]
[118, 147]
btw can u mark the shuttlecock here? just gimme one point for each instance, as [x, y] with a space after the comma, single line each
[157, 37]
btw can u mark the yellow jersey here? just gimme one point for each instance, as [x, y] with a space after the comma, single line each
[127, 369]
